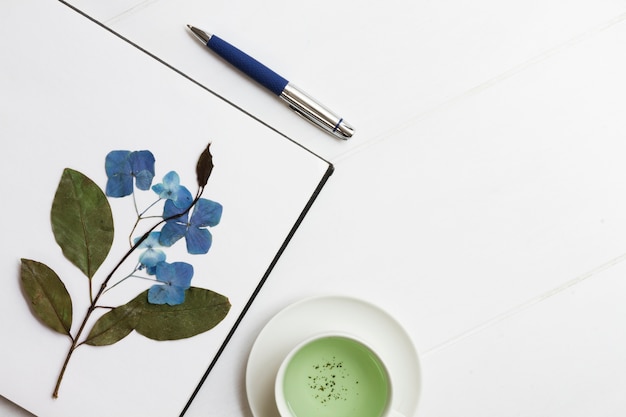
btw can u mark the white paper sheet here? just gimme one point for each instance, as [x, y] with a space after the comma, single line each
[71, 92]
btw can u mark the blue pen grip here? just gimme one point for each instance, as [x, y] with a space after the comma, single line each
[248, 65]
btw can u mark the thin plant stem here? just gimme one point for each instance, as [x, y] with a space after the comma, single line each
[103, 287]
[148, 208]
[140, 217]
[125, 278]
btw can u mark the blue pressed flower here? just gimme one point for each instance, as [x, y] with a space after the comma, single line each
[122, 166]
[206, 213]
[174, 279]
[142, 164]
[152, 255]
[171, 190]
[119, 174]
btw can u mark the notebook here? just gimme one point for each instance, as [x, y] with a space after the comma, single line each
[79, 105]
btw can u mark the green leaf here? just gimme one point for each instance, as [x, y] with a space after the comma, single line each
[204, 166]
[47, 295]
[114, 325]
[82, 221]
[201, 311]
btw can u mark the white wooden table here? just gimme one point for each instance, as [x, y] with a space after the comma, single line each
[482, 201]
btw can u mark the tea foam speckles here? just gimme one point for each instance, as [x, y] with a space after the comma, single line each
[330, 381]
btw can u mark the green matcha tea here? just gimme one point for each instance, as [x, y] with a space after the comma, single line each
[335, 377]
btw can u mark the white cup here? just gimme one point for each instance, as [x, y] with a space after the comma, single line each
[334, 375]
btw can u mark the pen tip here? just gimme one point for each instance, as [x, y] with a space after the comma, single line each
[201, 35]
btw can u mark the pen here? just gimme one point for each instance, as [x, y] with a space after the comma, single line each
[300, 102]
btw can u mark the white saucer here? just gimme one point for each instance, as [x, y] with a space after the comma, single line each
[312, 316]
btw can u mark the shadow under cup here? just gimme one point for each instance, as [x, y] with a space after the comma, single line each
[333, 376]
